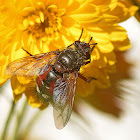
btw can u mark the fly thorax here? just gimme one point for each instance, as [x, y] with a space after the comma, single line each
[67, 61]
[68, 58]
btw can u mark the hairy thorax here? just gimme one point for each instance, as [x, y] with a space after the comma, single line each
[69, 60]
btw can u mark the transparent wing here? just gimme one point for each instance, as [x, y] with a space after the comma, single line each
[30, 65]
[63, 98]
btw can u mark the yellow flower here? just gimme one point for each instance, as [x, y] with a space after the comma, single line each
[132, 5]
[124, 9]
[45, 25]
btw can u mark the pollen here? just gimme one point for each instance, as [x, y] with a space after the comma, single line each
[41, 20]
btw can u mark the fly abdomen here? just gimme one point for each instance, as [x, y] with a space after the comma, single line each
[45, 84]
[51, 76]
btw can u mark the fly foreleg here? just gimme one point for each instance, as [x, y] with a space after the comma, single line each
[85, 79]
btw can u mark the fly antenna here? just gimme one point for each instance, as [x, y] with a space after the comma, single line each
[90, 40]
[94, 44]
[81, 34]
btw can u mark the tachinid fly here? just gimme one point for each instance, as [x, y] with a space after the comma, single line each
[56, 73]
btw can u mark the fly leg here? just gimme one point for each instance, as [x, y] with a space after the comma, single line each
[57, 52]
[85, 79]
[27, 52]
[70, 45]
[85, 63]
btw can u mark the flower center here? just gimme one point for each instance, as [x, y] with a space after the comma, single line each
[42, 20]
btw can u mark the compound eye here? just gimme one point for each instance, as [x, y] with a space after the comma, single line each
[87, 56]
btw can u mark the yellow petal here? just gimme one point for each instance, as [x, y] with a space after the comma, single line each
[88, 12]
[82, 87]
[122, 46]
[68, 21]
[24, 80]
[4, 62]
[52, 8]
[110, 19]
[119, 33]
[16, 86]
[17, 97]
[41, 16]
[105, 3]
[103, 79]
[40, 5]
[106, 48]
[60, 12]
[25, 23]
[34, 99]
[124, 10]
[27, 10]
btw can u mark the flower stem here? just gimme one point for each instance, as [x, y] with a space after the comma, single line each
[19, 121]
[4, 134]
[30, 125]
